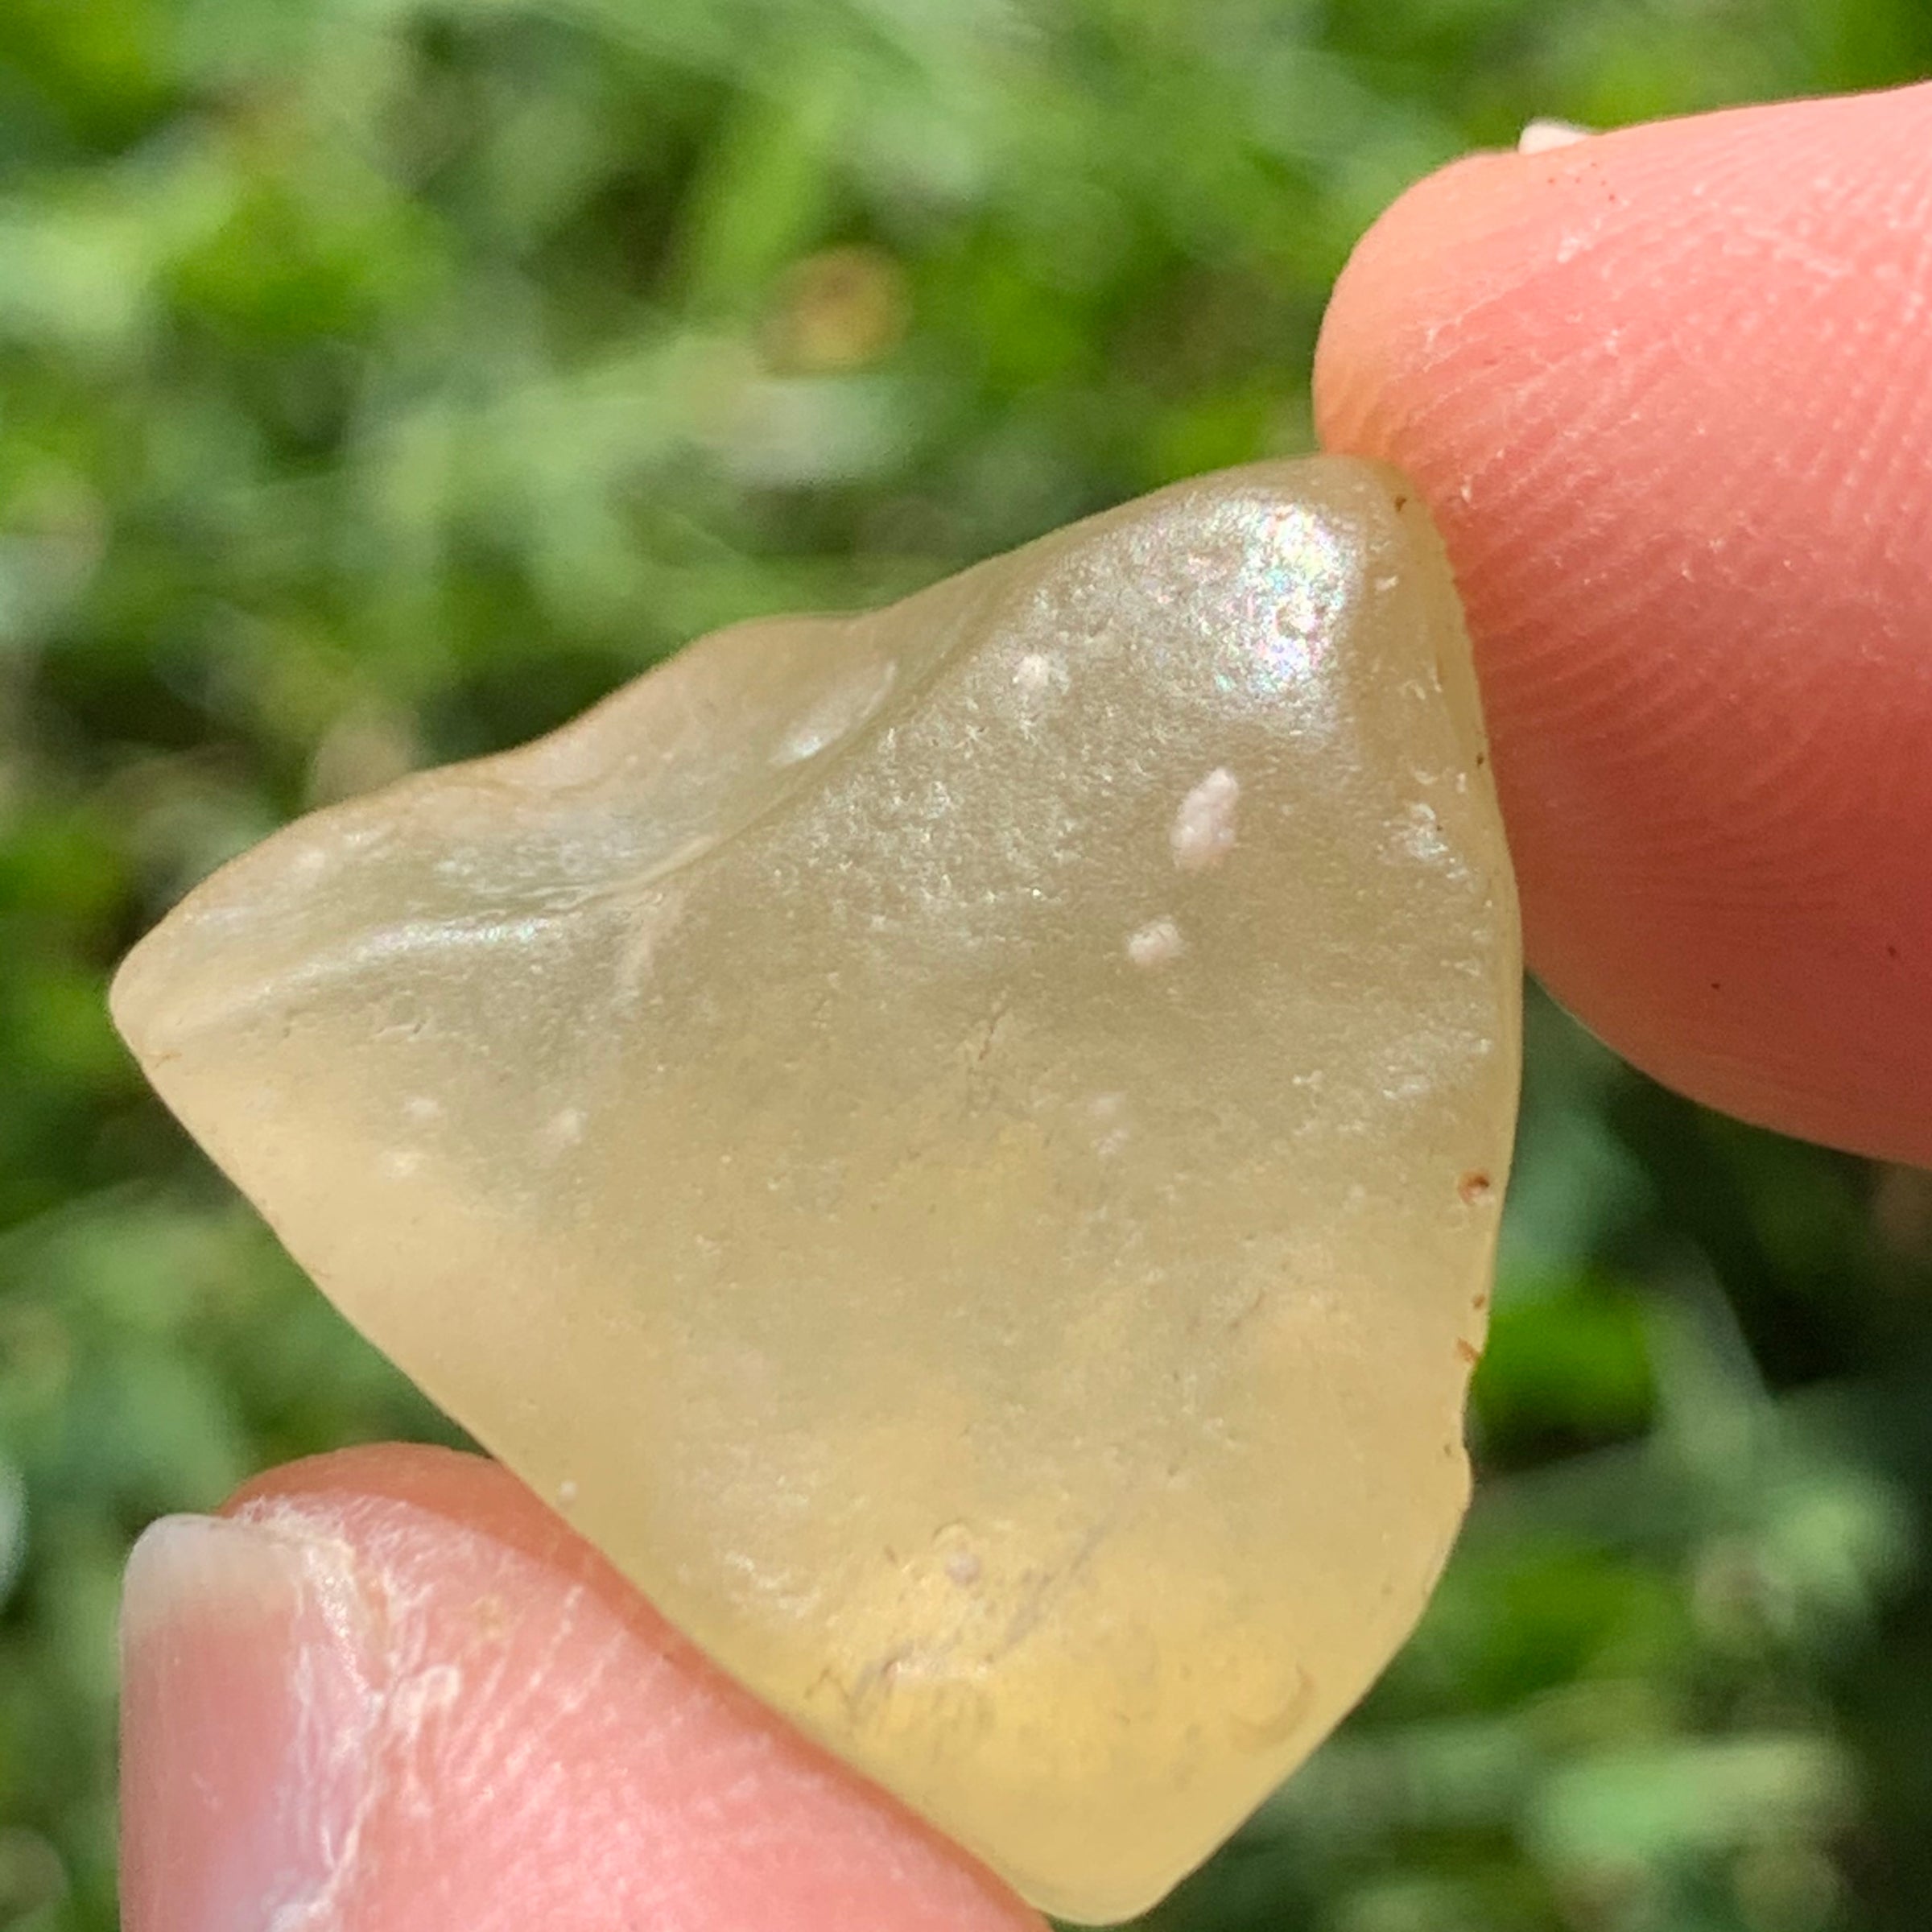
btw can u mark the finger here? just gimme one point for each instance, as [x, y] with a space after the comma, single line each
[1669, 393]
[388, 1692]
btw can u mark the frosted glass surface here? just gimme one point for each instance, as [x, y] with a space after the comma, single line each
[962, 1146]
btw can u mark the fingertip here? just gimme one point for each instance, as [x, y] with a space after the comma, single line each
[389, 1686]
[1669, 392]
[241, 1773]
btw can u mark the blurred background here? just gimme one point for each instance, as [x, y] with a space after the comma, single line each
[382, 380]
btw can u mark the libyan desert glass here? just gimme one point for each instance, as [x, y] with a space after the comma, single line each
[961, 1147]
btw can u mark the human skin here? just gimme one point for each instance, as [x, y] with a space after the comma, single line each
[1669, 394]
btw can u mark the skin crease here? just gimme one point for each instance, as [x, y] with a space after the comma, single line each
[1669, 394]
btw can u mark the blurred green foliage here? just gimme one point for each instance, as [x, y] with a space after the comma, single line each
[382, 380]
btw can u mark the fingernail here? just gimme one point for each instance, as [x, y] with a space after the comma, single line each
[1539, 136]
[250, 1693]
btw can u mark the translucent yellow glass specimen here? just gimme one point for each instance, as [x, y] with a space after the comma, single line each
[962, 1146]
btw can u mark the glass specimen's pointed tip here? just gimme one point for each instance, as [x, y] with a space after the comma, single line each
[182, 980]
[138, 999]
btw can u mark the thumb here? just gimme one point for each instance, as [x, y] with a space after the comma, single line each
[1669, 393]
[388, 1692]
